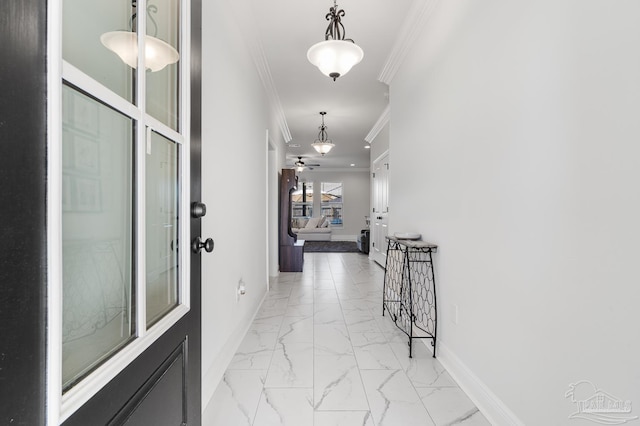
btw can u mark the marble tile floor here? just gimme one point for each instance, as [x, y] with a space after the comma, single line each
[319, 353]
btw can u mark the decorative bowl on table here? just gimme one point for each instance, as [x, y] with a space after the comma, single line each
[407, 235]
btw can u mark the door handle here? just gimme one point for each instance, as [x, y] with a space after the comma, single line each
[198, 245]
[198, 210]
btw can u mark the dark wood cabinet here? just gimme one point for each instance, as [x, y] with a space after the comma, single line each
[291, 249]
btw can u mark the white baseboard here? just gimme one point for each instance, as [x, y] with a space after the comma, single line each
[492, 407]
[213, 376]
[353, 238]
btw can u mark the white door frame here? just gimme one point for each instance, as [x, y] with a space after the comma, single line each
[380, 210]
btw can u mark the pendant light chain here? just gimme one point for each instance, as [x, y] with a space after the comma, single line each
[322, 136]
[335, 30]
[151, 8]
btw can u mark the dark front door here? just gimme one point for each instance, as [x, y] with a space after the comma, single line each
[91, 267]
[161, 385]
[23, 214]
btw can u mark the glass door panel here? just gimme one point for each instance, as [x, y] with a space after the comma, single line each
[162, 220]
[85, 23]
[163, 44]
[97, 242]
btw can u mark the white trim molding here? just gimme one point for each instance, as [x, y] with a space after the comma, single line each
[377, 128]
[214, 375]
[341, 237]
[492, 407]
[415, 21]
[262, 65]
[248, 23]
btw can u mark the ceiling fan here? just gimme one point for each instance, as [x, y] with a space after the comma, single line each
[301, 165]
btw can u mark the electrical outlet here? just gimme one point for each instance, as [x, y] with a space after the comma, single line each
[240, 290]
[454, 314]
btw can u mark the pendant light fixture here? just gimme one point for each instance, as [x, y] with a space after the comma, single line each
[336, 55]
[322, 144]
[158, 54]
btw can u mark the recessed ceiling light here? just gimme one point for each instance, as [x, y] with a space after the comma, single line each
[353, 165]
[367, 147]
[294, 145]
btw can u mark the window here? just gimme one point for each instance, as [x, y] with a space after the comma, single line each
[331, 203]
[302, 201]
[97, 236]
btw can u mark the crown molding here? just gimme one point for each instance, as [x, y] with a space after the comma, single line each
[262, 65]
[382, 121]
[246, 19]
[415, 21]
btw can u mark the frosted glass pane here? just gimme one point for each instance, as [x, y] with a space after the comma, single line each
[97, 240]
[162, 86]
[84, 22]
[162, 207]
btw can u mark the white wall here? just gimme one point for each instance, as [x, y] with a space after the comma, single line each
[356, 195]
[514, 138]
[234, 175]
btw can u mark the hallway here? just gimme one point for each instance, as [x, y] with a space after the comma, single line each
[320, 353]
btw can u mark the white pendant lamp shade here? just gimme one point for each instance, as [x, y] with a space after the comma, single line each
[323, 147]
[334, 58]
[158, 54]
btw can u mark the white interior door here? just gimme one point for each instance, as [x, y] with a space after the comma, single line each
[380, 218]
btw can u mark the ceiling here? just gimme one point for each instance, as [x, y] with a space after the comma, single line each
[355, 101]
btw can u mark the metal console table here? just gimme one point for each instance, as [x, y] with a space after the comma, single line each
[409, 292]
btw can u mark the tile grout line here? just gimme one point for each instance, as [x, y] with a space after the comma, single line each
[263, 393]
[352, 348]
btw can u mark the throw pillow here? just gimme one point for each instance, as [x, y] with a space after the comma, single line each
[325, 224]
[313, 222]
[321, 221]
